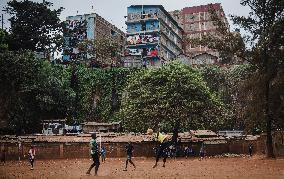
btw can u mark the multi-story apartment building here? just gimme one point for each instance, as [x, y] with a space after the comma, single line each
[153, 36]
[196, 21]
[88, 26]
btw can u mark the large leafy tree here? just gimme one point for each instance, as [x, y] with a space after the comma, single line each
[170, 96]
[18, 75]
[34, 26]
[32, 90]
[265, 26]
[263, 89]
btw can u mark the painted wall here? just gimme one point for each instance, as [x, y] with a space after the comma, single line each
[77, 28]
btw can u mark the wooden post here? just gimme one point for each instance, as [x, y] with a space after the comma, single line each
[61, 150]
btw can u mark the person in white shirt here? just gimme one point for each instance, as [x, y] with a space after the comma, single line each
[32, 156]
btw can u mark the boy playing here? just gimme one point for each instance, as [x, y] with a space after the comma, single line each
[94, 154]
[31, 155]
[129, 151]
[163, 148]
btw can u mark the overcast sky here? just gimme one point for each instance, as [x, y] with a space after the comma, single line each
[115, 10]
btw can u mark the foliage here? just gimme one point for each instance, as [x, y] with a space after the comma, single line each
[32, 90]
[103, 51]
[265, 27]
[18, 78]
[227, 84]
[4, 40]
[170, 96]
[34, 26]
[100, 92]
[230, 45]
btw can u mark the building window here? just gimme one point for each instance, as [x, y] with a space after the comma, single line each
[113, 33]
[143, 26]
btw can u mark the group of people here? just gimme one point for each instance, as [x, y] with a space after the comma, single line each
[161, 152]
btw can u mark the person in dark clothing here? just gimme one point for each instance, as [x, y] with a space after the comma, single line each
[188, 151]
[250, 149]
[202, 152]
[163, 148]
[129, 151]
[94, 154]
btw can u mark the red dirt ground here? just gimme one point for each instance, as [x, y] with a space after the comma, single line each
[219, 168]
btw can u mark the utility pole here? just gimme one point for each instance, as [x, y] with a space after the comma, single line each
[2, 21]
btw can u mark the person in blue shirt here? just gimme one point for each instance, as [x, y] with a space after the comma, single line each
[94, 154]
[129, 151]
[103, 154]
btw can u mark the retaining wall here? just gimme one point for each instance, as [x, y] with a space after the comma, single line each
[57, 150]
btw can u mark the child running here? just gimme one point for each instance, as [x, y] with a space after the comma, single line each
[31, 155]
[94, 154]
[129, 151]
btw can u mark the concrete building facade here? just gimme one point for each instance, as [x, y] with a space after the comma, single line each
[153, 36]
[196, 21]
[88, 26]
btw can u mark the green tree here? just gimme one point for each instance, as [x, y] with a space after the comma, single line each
[34, 26]
[32, 90]
[265, 25]
[264, 50]
[4, 40]
[19, 74]
[171, 96]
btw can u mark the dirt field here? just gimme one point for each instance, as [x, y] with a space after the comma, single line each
[236, 168]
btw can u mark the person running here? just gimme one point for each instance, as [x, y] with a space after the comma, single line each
[129, 151]
[31, 155]
[103, 154]
[94, 154]
[163, 148]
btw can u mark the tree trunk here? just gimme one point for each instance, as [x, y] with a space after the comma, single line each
[268, 119]
[175, 132]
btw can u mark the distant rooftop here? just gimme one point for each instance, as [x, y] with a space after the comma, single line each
[163, 9]
[202, 8]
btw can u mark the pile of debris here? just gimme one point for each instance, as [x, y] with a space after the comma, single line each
[229, 155]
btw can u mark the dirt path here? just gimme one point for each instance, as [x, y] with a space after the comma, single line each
[219, 168]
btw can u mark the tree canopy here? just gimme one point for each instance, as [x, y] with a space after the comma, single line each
[34, 26]
[261, 96]
[171, 96]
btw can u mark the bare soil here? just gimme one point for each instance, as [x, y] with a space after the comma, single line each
[236, 168]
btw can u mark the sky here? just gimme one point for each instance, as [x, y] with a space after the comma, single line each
[115, 10]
